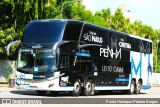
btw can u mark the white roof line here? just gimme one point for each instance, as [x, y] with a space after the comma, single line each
[134, 36]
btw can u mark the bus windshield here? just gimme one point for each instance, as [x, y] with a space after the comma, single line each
[37, 60]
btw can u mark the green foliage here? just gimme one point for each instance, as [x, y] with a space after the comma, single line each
[158, 57]
[79, 13]
[7, 36]
[15, 15]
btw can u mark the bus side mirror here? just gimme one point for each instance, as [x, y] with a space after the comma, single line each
[88, 45]
[56, 46]
[10, 44]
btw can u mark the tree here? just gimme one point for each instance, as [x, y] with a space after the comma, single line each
[118, 20]
[79, 13]
[106, 15]
[16, 14]
[158, 58]
[6, 19]
[156, 47]
[6, 36]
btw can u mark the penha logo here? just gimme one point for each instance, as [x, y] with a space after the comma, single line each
[111, 51]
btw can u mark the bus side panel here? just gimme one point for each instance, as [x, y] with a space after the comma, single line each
[141, 67]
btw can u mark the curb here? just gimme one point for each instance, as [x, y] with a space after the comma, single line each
[2, 89]
[5, 87]
[155, 85]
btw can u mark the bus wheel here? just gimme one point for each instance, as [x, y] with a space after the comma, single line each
[77, 88]
[138, 88]
[132, 88]
[88, 89]
[42, 93]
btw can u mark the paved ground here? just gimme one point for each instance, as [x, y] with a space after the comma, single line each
[5, 92]
[154, 92]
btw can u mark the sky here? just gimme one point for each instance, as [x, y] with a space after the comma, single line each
[147, 11]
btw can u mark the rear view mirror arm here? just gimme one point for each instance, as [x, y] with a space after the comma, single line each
[10, 44]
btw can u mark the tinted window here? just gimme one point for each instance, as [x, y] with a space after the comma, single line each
[72, 31]
[138, 45]
[64, 63]
[44, 31]
[135, 43]
[145, 47]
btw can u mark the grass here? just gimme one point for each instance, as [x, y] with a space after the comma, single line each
[155, 84]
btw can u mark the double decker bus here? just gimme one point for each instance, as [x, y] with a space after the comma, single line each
[78, 57]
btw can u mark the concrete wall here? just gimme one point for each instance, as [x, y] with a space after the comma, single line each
[4, 65]
[156, 78]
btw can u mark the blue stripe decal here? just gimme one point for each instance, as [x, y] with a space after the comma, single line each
[149, 64]
[36, 76]
[23, 84]
[83, 54]
[110, 86]
[122, 80]
[146, 86]
[139, 68]
[66, 86]
[136, 69]
[141, 64]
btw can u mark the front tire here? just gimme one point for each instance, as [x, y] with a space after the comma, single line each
[77, 88]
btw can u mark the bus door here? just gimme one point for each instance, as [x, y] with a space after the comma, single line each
[102, 73]
[64, 68]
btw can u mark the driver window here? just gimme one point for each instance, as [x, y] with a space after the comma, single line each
[64, 62]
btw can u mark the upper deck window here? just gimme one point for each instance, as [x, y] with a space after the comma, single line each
[44, 31]
[72, 31]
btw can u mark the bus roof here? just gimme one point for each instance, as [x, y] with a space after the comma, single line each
[138, 37]
[101, 27]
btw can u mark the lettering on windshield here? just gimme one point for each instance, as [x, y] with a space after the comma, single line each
[37, 46]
